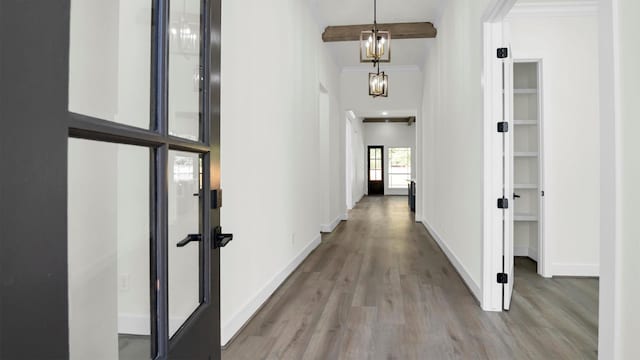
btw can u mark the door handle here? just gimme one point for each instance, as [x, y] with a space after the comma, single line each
[188, 239]
[516, 196]
[220, 240]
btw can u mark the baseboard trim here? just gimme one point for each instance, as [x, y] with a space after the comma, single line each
[575, 270]
[327, 228]
[521, 251]
[453, 259]
[135, 324]
[237, 322]
[526, 252]
[344, 217]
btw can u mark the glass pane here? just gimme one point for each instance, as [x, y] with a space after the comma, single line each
[185, 82]
[184, 219]
[108, 251]
[110, 60]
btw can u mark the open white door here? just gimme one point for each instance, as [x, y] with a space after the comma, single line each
[507, 203]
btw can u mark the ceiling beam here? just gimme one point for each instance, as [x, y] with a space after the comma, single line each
[406, 119]
[416, 30]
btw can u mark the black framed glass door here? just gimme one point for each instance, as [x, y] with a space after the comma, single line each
[110, 129]
[375, 166]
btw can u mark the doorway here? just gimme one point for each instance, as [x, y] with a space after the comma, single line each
[527, 159]
[376, 170]
[111, 249]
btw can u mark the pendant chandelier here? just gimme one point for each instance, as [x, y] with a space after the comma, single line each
[378, 84]
[375, 45]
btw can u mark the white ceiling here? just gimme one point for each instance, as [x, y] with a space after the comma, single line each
[352, 12]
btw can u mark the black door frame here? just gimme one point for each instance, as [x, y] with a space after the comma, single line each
[35, 126]
[381, 147]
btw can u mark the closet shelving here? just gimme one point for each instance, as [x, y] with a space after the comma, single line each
[526, 158]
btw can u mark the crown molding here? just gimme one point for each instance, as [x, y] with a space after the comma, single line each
[555, 8]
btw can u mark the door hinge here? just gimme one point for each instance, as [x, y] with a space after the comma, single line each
[503, 53]
[502, 278]
[503, 203]
[542, 193]
[503, 127]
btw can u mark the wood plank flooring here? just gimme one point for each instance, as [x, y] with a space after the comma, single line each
[379, 287]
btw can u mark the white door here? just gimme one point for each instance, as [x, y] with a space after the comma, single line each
[507, 180]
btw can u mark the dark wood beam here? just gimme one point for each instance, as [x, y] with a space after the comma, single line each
[416, 30]
[406, 119]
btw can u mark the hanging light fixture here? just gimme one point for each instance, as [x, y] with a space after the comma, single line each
[378, 84]
[375, 45]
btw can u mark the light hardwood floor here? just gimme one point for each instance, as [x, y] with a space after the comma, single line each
[379, 287]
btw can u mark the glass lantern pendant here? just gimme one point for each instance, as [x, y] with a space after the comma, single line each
[375, 44]
[378, 84]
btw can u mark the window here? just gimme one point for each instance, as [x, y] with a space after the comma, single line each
[399, 167]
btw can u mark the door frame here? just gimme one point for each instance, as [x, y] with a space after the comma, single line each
[493, 246]
[36, 126]
[369, 147]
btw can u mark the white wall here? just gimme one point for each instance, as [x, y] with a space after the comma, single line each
[571, 126]
[405, 90]
[357, 155]
[626, 60]
[106, 243]
[391, 135]
[270, 149]
[452, 135]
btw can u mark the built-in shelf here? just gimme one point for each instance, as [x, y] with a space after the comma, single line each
[525, 186]
[525, 154]
[525, 217]
[525, 122]
[525, 91]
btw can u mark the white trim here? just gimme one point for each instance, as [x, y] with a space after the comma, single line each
[521, 251]
[533, 254]
[367, 68]
[327, 228]
[457, 264]
[344, 216]
[246, 312]
[555, 8]
[492, 167]
[136, 324]
[580, 270]
[497, 10]
[527, 251]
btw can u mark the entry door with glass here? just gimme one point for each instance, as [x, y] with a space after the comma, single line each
[110, 122]
[376, 170]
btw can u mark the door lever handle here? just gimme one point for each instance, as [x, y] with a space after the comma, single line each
[220, 240]
[188, 239]
[516, 196]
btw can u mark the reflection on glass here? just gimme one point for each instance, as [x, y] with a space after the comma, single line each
[185, 76]
[108, 251]
[110, 60]
[184, 219]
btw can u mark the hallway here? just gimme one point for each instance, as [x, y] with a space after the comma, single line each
[379, 287]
